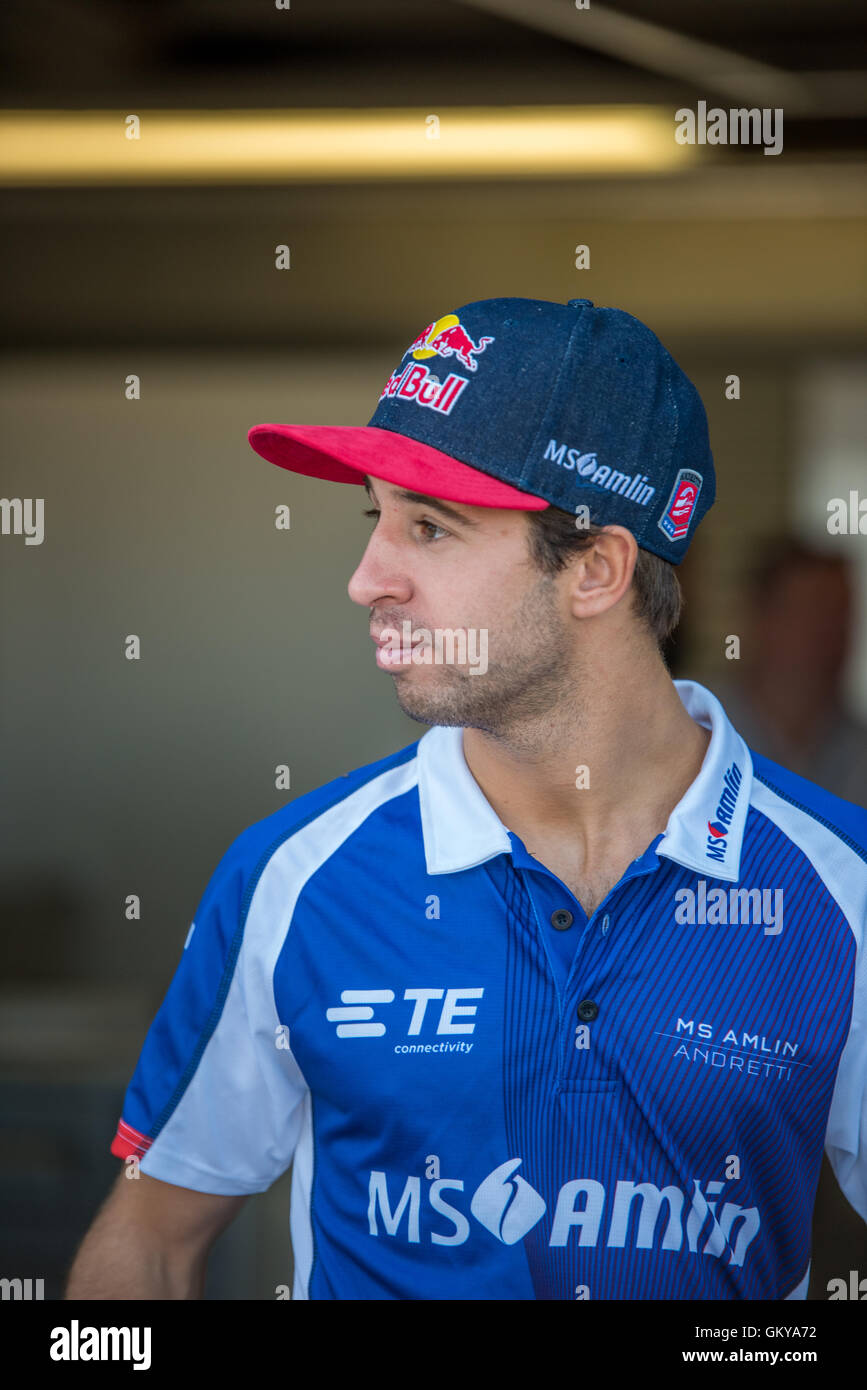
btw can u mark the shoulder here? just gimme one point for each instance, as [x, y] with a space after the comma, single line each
[352, 798]
[793, 801]
[827, 833]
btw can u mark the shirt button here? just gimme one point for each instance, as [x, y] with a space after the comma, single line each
[562, 919]
[605, 924]
[587, 1010]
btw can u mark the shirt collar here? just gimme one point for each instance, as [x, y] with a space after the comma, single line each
[705, 830]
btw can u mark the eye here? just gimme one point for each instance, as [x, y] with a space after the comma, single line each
[432, 526]
[428, 525]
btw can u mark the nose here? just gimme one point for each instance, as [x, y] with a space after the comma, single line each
[379, 576]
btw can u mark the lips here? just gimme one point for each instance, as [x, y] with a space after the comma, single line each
[391, 657]
[384, 641]
[398, 651]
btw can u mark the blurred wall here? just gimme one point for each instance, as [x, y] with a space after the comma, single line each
[134, 776]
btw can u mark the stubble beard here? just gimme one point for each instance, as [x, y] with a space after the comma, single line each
[529, 674]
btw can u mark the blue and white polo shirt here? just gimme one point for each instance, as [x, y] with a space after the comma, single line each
[487, 1095]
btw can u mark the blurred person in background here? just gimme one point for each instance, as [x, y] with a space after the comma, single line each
[786, 695]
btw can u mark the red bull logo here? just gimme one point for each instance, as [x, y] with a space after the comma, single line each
[681, 504]
[447, 337]
[415, 383]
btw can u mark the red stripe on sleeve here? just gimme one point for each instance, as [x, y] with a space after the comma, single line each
[128, 1142]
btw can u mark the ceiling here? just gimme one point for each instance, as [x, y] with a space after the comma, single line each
[182, 264]
[189, 53]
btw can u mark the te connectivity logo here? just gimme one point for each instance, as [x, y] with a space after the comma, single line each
[718, 828]
[355, 1017]
[508, 1207]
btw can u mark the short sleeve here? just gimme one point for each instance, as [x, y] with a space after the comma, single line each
[846, 1137]
[216, 1102]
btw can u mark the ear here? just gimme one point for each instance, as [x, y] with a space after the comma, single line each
[602, 573]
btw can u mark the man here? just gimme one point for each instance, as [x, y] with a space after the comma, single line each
[565, 999]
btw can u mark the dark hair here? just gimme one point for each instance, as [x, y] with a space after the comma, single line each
[657, 595]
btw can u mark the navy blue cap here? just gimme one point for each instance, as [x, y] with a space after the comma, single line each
[522, 403]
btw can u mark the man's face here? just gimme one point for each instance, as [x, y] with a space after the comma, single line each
[449, 567]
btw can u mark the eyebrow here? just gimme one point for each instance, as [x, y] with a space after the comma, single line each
[405, 496]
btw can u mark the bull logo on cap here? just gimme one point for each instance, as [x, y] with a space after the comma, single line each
[446, 337]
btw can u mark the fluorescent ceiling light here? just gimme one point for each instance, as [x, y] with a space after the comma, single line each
[91, 147]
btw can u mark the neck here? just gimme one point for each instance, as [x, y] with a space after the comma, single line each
[626, 739]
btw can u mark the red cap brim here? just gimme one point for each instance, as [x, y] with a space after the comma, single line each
[345, 453]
